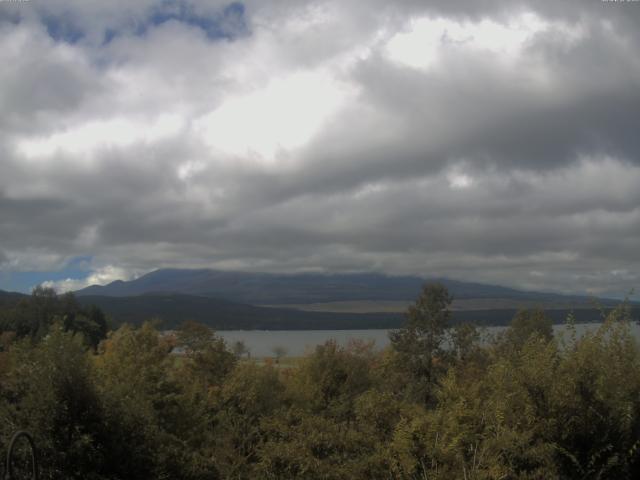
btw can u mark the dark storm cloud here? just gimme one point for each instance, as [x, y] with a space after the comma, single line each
[517, 167]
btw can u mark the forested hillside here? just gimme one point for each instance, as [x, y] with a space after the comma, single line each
[170, 310]
[523, 405]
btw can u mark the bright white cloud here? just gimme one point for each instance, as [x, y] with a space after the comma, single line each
[86, 138]
[101, 276]
[282, 116]
[427, 38]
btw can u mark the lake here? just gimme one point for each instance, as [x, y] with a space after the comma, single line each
[298, 342]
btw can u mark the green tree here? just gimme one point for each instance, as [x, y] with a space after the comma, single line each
[328, 381]
[300, 445]
[208, 360]
[33, 317]
[419, 343]
[465, 339]
[524, 325]
[150, 422]
[250, 393]
[49, 390]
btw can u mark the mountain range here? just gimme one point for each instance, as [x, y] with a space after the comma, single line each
[241, 300]
[308, 288]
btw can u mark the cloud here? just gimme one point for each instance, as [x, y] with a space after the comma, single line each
[283, 116]
[86, 139]
[101, 276]
[477, 140]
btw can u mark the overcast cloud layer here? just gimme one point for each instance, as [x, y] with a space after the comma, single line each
[487, 141]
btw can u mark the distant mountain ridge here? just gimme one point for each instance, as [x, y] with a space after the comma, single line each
[301, 288]
[10, 298]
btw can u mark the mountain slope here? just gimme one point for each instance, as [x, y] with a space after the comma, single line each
[10, 298]
[266, 288]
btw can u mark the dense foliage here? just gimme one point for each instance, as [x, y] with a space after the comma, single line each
[32, 316]
[439, 403]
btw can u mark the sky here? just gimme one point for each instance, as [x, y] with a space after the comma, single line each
[478, 140]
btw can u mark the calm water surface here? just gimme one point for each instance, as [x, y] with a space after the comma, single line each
[298, 342]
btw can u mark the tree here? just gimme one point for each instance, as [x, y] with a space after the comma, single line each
[49, 390]
[240, 349]
[90, 322]
[148, 418]
[329, 380]
[250, 393]
[194, 337]
[279, 351]
[525, 324]
[464, 341]
[33, 317]
[208, 360]
[419, 343]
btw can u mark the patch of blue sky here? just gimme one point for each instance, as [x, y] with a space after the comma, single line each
[12, 281]
[226, 24]
[109, 34]
[62, 29]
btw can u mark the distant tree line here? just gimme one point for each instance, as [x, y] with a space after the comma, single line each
[33, 316]
[440, 403]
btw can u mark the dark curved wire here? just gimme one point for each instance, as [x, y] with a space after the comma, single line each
[8, 472]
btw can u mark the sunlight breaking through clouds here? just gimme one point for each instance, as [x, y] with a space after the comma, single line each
[282, 116]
